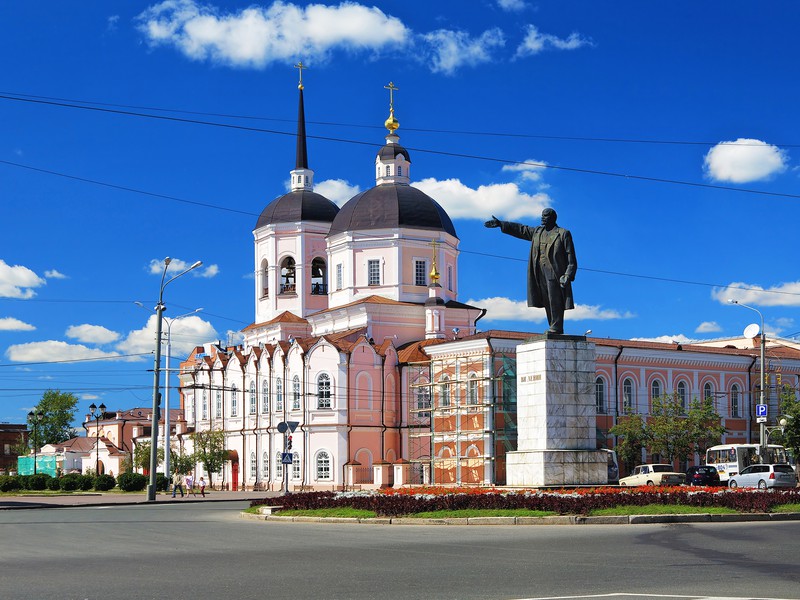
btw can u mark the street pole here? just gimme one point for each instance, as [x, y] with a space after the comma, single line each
[151, 488]
[762, 427]
[34, 418]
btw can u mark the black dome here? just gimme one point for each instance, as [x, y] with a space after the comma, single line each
[390, 206]
[298, 205]
[391, 151]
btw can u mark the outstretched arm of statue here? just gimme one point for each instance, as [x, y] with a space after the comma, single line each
[493, 222]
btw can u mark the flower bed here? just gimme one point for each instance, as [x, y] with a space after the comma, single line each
[580, 501]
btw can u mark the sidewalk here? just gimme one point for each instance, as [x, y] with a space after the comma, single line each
[105, 499]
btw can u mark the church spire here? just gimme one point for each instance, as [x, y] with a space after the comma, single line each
[392, 164]
[302, 176]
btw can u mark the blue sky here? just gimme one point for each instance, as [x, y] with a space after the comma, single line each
[665, 135]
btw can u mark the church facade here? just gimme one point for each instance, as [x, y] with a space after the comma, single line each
[360, 344]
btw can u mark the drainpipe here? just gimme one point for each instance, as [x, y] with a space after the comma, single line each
[349, 424]
[383, 406]
[303, 428]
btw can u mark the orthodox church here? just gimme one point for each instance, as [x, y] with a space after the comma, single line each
[362, 368]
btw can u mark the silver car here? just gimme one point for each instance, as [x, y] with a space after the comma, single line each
[764, 476]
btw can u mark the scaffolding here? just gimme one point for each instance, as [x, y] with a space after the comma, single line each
[462, 418]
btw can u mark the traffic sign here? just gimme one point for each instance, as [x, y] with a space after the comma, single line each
[761, 419]
[282, 427]
[292, 425]
[761, 410]
[286, 458]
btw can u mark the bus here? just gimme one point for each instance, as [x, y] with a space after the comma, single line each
[730, 459]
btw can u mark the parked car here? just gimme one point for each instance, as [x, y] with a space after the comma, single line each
[765, 476]
[653, 475]
[702, 475]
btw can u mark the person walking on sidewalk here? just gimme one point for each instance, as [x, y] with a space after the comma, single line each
[177, 483]
[190, 485]
[202, 484]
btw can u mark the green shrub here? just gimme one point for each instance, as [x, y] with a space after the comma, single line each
[70, 482]
[132, 482]
[53, 484]
[162, 483]
[38, 481]
[86, 482]
[23, 481]
[9, 483]
[103, 483]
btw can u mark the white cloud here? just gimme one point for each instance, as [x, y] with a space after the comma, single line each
[258, 36]
[667, 339]
[511, 5]
[176, 265]
[53, 274]
[744, 160]
[501, 199]
[449, 50]
[505, 309]
[708, 327]
[18, 281]
[12, 324]
[186, 333]
[337, 191]
[783, 294]
[529, 170]
[52, 350]
[90, 397]
[92, 334]
[536, 42]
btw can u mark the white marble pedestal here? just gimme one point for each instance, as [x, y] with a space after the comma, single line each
[556, 415]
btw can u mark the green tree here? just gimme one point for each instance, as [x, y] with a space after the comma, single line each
[21, 447]
[181, 461]
[141, 456]
[705, 426]
[209, 450]
[58, 413]
[668, 428]
[790, 410]
[632, 437]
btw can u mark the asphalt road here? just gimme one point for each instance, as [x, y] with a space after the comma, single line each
[205, 550]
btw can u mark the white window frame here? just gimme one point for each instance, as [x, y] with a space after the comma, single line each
[420, 272]
[253, 466]
[278, 395]
[279, 466]
[296, 466]
[265, 465]
[253, 398]
[323, 466]
[339, 276]
[205, 405]
[234, 401]
[324, 392]
[296, 392]
[265, 396]
[600, 395]
[373, 272]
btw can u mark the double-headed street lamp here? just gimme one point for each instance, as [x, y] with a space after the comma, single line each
[97, 413]
[34, 419]
[160, 308]
[762, 427]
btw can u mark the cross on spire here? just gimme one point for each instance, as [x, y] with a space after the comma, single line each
[391, 87]
[300, 66]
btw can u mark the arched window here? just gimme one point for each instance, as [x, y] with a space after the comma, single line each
[265, 465]
[423, 394]
[708, 391]
[323, 466]
[278, 395]
[288, 276]
[234, 401]
[388, 170]
[444, 391]
[264, 274]
[296, 466]
[218, 403]
[265, 396]
[324, 391]
[735, 400]
[655, 389]
[683, 395]
[278, 466]
[472, 389]
[296, 393]
[627, 396]
[205, 405]
[253, 398]
[319, 277]
[600, 394]
[399, 170]
[253, 466]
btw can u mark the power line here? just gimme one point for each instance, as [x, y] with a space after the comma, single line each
[74, 360]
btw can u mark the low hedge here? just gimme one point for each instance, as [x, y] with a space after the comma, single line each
[9, 483]
[563, 502]
[132, 482]
[104, 482]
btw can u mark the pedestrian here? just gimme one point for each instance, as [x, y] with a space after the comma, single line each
[177, 483]
[190, 485]
[202, 485]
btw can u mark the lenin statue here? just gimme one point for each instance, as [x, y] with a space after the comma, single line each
[551, 265]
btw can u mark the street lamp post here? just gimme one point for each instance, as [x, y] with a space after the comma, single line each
[160, 307]
[34, 418]
[97, 413]
[762, 427]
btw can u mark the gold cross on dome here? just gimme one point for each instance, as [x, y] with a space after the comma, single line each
[391, 87]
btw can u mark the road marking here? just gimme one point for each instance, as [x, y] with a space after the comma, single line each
[614, 595]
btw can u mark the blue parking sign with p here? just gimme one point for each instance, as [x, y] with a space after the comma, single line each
[761, 410]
